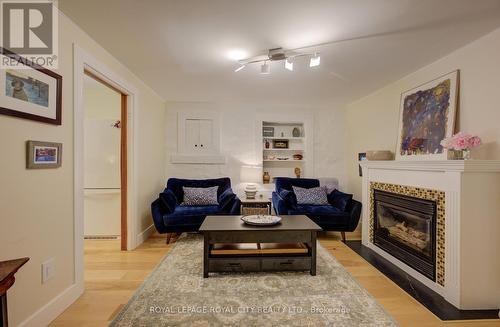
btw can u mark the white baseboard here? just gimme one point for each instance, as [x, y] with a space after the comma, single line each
[144, 235]
[50, 311]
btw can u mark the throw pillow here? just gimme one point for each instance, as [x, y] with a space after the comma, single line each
[200, 196]
[339, 200]
[314, 195]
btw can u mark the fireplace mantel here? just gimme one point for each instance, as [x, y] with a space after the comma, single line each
[444, 165]
[472, 223]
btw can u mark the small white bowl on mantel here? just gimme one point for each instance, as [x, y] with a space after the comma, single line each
[375, 155]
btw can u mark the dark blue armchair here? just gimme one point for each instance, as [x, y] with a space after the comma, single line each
[341, 215]
[170, 217]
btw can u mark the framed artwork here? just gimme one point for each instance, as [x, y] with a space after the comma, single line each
[361, 157]
[41, 155]
[427, 115]
[280, 144]
[268, 131]
[30, 92]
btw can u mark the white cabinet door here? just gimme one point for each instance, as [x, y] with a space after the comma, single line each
[192, 135]
[206, 136]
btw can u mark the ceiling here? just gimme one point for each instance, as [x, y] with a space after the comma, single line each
[182, 49]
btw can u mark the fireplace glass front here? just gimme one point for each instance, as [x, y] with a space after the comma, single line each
[405, 227]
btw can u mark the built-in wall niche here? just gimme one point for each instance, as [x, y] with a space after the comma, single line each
[198, 138]
[284, 148]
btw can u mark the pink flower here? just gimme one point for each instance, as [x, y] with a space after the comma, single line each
[461, 141]
[475, 141]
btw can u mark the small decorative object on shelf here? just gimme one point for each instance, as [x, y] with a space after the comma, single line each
[267, 144]
[297, 172]
[459, 145]
[266, 178]
[297, 156]
[296, 132]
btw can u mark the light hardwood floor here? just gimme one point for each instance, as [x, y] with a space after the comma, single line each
[112, 276]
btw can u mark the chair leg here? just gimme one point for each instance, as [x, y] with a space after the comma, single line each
[343, 236]
[169, 235]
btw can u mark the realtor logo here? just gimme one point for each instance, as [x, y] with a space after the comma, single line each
[29, 29]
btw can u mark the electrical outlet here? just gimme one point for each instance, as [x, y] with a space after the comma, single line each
[48, 270]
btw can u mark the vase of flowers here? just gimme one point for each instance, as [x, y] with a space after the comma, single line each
[460, 144]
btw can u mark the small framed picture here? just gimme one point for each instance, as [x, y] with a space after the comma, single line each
[268, 131]
[361, 157]
[41, 155]
[280, 144]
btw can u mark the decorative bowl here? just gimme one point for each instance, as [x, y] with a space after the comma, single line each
[261, 220]
[379, 155]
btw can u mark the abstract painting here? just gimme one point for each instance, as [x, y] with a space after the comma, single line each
[427, 115]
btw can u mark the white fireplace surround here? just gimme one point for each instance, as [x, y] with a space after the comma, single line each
[472, 224]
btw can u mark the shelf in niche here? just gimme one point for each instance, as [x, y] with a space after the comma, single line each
[284, 138]
[283, 149]
[289, 160]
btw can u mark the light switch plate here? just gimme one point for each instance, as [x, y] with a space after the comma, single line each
[48, 270]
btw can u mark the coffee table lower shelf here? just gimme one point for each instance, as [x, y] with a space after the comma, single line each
[256, 264]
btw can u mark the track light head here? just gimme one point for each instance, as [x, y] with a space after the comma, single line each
[265, 68]
[315, 60]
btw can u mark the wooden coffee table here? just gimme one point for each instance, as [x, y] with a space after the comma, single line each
[231, 229]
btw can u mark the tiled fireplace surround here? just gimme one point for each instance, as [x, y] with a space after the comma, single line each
[467, 195]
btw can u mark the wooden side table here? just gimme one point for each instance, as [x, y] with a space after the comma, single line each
[257, 206]
[7, 279]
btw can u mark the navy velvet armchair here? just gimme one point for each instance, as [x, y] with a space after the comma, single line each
[171, 217]
[341, 214]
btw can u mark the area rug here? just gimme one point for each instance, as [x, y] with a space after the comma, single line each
[176, 294]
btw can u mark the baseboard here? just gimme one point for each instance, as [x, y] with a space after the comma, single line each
[50, 311]
[141, 237]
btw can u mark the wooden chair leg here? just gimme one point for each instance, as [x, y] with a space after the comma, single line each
[169, 235]
[343, 236]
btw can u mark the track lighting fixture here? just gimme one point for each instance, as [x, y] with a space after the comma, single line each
[279, 54]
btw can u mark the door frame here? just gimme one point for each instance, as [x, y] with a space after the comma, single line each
[123, 158]
[83, 61]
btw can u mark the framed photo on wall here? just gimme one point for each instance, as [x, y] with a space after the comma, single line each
[41, 155]
[30, 91]
[427, 116]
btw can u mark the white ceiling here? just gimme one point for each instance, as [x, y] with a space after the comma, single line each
[181, 48]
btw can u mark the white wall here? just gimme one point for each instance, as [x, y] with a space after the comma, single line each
[37, 205]
[372, 122]
[238, 138]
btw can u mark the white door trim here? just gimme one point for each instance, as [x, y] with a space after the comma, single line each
[84, 61]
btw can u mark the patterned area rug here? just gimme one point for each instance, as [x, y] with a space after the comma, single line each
[176, 294]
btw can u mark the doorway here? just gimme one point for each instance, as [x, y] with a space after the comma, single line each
[105, 161]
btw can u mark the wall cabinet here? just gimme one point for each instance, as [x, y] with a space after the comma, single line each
[198, 138]
[199, 135]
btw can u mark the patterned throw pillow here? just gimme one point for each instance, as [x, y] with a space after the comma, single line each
[200, 196]
[315, 195]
